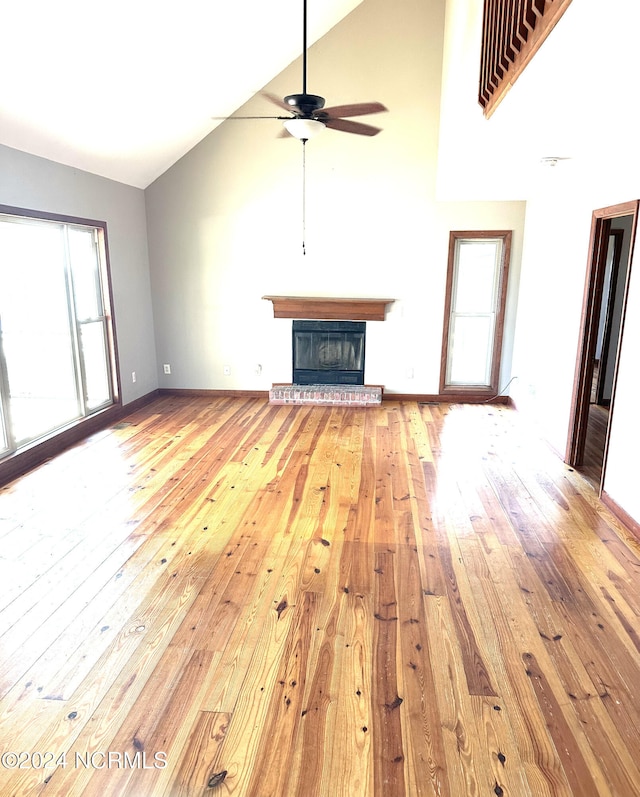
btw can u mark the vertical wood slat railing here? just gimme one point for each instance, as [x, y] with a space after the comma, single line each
[512, 32]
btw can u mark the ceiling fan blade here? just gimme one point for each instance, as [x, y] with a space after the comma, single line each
[352, 127]
[356, 109]
[279, 102]
[226, 118]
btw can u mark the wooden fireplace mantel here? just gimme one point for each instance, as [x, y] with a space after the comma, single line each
[329, 309]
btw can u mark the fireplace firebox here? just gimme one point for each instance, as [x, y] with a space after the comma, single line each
[328, 352]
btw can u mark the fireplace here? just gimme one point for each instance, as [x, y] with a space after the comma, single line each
[328, 352]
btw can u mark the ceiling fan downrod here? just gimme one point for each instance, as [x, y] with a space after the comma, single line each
[305, 104]
[304, 48]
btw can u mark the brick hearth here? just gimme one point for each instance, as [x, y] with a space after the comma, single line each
[337, 395]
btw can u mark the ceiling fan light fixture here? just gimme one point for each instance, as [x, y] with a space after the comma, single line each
[304, 129]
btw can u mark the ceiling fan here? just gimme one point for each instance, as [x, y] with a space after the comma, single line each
[308, 116]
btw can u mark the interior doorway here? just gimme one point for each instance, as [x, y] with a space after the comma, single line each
[611, 246]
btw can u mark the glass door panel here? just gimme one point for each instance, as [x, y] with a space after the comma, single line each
[85, 269]
[37, 334]
[476, 276]
[474, 310]
[93, 347]
[6, 441]
[55, 350]
[83, 256]
[471, 346]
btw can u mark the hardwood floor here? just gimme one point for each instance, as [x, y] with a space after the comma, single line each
[223, 597]
[595, 442]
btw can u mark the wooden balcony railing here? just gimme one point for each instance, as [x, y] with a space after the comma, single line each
[512, 32]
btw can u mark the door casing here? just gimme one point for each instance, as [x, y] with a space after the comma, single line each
[594, 282]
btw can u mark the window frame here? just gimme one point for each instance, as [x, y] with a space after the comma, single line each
[10, 458]
[455, 237]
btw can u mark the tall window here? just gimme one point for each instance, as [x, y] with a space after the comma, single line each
[474, 310]
[56, 342]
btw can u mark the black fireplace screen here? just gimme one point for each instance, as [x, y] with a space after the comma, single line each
[328, 352]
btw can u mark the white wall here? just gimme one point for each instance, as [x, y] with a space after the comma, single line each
[572, 100]
[27, 181]
[225, 224]
[555, 257]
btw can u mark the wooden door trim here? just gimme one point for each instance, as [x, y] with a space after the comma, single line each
[503, 282]
[598, 241]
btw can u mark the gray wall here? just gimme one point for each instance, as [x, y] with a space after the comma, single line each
[29, 182]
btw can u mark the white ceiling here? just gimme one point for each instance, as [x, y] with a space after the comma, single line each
[123, 89]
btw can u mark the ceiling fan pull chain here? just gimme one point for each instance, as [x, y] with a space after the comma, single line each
[304, 195]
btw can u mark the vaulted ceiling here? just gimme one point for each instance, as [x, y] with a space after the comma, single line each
[124, 89]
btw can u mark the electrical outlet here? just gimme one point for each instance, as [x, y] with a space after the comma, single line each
[133, 376]
[167, 368]
[226, 370]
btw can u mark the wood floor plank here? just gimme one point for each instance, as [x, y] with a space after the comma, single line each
[425, 763]
[504, 768]
[201, 747]
[87, 724]
[349, 766]
[608, 746]
[582, 779]
[272, 770]
[238, 654]
[238, 752]
[388, 745]
[141, 577]
[22, 643]
[515, 637]
[180, 674]
[460, 743]
[487, 591]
